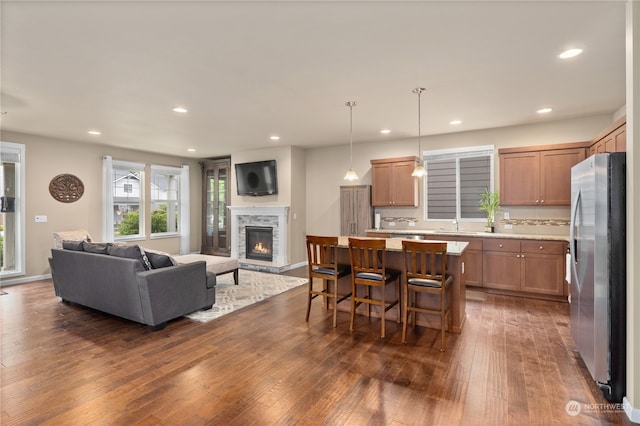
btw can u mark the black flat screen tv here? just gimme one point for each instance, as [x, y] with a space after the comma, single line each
[257, 178]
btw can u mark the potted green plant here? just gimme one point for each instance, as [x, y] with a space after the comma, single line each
[489, 204]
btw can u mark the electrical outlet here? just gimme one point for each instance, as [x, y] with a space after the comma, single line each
[412, 224]
[506, 214]
[508, 226]
[41, 219]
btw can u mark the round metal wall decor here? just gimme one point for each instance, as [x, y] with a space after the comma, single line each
[66, 188]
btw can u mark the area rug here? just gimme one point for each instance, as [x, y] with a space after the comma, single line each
[253, 287]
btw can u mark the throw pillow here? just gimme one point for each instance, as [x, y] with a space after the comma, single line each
[171, 259]
[73, 245]
[100, 248]
[158, 260]
[131, 252]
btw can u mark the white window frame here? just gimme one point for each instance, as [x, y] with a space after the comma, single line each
[16, 153]
[177, 172]
[457, 154]
[108, 229]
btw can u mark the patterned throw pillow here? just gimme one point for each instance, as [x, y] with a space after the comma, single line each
[78, 235]
[130, 252]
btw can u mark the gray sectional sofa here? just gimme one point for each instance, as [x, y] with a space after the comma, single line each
[117, 283]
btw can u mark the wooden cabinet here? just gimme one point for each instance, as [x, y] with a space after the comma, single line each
[538, 176]
[216, 238]
[612, 139]
[356, 214]
[532, 266]
[392, 183]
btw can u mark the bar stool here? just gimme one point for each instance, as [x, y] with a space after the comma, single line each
[322, 255]
[368, 266]
[425, 271]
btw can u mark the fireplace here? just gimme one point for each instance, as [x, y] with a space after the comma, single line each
[259, 242]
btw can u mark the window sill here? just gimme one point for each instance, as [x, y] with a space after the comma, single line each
[164, 235]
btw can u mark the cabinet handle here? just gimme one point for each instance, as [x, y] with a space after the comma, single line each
[542, 201]
[522, 256]
[517, 255]
[500, 245]
[541, 248]
[537, 201]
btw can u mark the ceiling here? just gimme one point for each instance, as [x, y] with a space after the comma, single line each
[249, 70]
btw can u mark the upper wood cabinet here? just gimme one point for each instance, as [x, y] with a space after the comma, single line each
[534, 176]
[611, 139]
[392, 183]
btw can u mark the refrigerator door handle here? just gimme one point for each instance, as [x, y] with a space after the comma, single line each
[573, 242]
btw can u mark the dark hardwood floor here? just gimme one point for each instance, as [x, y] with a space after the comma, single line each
[513, 364]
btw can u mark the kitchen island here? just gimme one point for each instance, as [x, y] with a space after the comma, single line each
[524, 265]
[455, 266]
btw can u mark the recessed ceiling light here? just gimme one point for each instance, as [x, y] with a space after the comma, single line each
[544, 110]
[191, 149]
[570, 53]
[274, 138]
[385, 131]
[455, 122]
[94, 132]
[180, 109]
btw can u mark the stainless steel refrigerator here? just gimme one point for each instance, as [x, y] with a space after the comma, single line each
[598, 269]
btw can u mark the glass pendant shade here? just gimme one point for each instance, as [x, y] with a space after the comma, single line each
[351, 175]
[419, 171]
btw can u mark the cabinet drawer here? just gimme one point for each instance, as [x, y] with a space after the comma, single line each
[546, 247]
[497, 244]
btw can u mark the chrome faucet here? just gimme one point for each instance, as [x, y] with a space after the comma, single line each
[455, 223]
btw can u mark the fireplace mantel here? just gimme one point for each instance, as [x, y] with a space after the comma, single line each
[254, 215]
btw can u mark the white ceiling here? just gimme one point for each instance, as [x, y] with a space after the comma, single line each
[248, 70]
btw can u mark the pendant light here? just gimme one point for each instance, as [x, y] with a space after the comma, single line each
[419, 171]
[351, 175]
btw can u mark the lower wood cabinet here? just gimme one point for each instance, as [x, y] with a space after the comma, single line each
[533, 266]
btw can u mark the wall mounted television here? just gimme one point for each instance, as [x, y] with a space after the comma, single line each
[257, 178]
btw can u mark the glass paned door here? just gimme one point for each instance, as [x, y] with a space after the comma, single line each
[216, 236]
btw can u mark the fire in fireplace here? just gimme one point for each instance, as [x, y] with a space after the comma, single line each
[259, 241]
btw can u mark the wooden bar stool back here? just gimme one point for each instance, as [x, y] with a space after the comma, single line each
[368, 270]
[322, 256]
[425, 271]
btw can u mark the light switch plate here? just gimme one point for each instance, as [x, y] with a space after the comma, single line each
[41, 219]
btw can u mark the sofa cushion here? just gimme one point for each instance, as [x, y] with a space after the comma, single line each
[130, 252]
[73, 245]
[100, 248]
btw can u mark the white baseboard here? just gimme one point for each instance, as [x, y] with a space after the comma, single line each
[632, 413]
[24, 280]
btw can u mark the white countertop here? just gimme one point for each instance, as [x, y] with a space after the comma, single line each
[471, 234]
[454, 248]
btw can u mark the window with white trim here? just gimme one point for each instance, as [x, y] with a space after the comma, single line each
[127, 189]
[455, 180]
[165, 200]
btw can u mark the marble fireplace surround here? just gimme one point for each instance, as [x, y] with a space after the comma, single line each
[274, 216]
